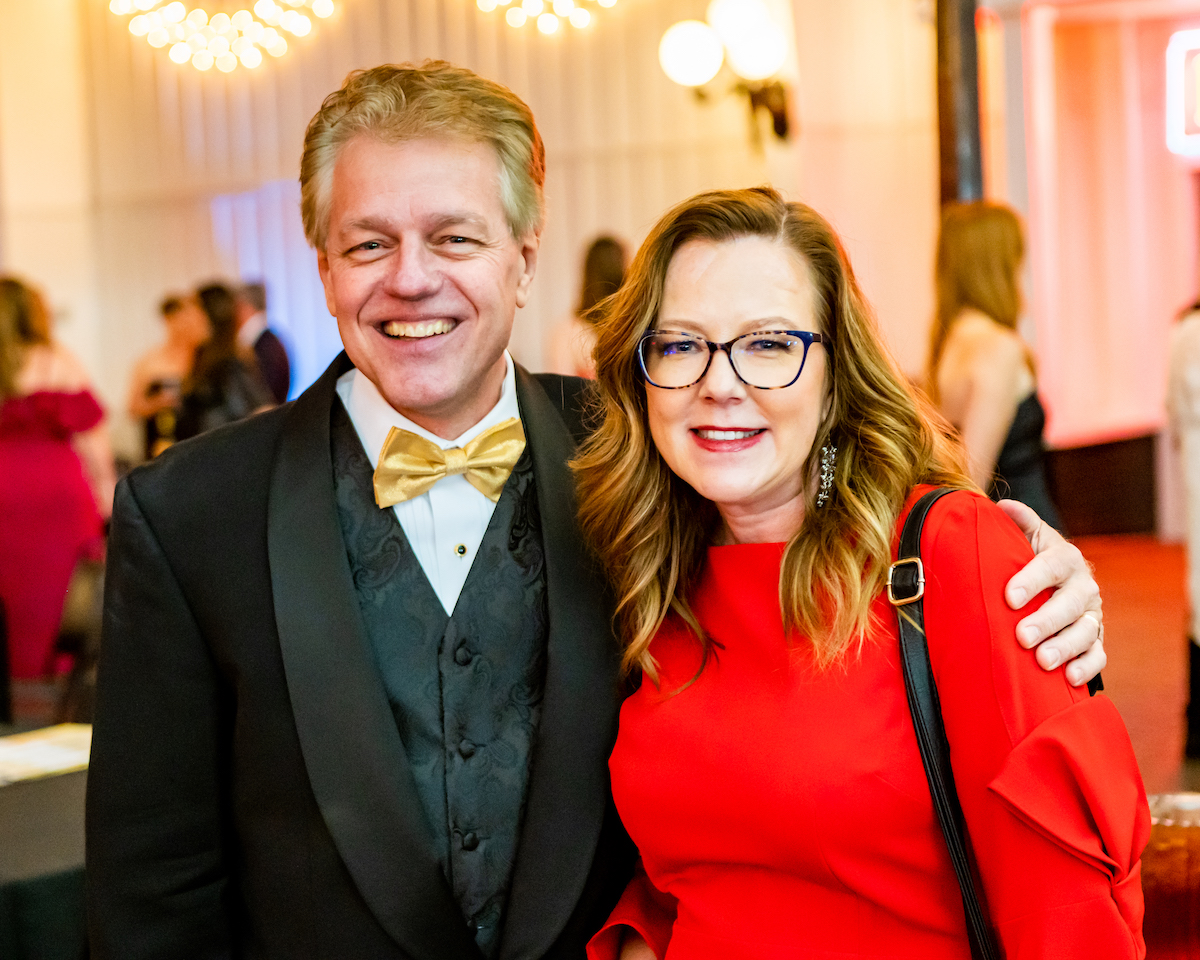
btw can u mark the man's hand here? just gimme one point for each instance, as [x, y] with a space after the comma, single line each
[1069, 624]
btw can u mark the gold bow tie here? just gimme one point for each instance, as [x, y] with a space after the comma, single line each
[409, 465]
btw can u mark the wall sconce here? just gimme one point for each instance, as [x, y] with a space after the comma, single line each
[742, 33]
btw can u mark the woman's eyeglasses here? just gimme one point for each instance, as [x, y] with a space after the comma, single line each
[768, 359]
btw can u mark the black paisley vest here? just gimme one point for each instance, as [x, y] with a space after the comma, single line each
[465, 689]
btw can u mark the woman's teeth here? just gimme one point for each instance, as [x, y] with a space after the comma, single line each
[415, 331]
[726, 434]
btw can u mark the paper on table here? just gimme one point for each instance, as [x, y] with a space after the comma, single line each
[45, 753]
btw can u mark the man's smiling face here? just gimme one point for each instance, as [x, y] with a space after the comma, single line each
[424, 275]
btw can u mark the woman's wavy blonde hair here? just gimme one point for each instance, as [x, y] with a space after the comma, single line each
[650, 529]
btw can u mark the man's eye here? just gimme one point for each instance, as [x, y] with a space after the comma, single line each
[370, 245]
[457, 239]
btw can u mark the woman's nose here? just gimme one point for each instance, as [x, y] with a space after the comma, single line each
[721, 382]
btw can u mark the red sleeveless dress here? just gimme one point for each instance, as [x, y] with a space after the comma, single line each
[48, 518]
[782, 812]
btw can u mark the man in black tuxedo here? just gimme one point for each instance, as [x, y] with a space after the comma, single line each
[324, 729]
[254, 334]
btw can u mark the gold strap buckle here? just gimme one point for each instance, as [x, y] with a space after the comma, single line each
[904, 601]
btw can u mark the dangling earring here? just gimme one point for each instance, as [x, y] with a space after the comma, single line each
[828, 462]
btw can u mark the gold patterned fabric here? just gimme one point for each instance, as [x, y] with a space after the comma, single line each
[409, 465]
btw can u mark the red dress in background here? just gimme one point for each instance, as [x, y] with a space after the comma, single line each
[48, 518]
[783, 812]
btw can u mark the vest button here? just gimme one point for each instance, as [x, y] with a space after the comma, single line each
[466, 749]
[462, 656]
[470, 840]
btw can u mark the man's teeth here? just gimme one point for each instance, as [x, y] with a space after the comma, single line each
[727, 434]
[422, 328]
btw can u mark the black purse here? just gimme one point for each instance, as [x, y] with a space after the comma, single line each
[906, 587]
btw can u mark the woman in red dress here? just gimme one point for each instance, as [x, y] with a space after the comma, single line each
[56, 477]
[757, 454]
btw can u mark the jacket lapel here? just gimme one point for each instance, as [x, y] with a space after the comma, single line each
[568, 786]
[352, 751]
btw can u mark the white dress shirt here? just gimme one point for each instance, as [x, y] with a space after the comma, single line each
[254, 327]
[445, 525]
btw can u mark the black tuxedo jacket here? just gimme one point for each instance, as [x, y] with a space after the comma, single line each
[273, 364]
[249, 793]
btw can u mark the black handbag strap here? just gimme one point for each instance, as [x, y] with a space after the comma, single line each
[906, 587]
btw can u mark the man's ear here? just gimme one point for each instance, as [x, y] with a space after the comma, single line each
[326, 282]
[530, 244]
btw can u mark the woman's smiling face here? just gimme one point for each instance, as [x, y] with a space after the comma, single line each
[741, 447]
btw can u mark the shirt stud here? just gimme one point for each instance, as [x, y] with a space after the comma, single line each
[461, 550]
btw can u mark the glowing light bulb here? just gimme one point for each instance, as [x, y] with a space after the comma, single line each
[241, 20]
[264, 7]
[138, 25]
[607, 3]
[252, 58]
[487, 6]
[322, 8]
[145, 4]
[202, 60]
[197, 18]
[158, 38]
[180, 53]
[278, 48]
[580, 18]
[690, 53]
[515, 17]
[220, 22]
[174, 12]
[254, 32]
[563, 8]
[196, 43]
[757, 54]
[269, 36]
[734, 18]
[227, 62]
[547, 23]
[121, 7]
[533, 8]
[218, 46]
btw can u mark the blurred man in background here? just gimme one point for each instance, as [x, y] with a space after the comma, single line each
[254, 334]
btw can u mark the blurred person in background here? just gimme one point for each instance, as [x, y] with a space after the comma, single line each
[56, 477]
[981, 373]
[1183, 406]
[254, 334]
[157, 379]
[574, 338]
[225, 384]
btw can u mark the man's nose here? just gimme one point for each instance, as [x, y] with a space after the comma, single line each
[414, 273]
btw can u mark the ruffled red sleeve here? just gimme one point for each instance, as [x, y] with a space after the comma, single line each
[643, 908]
[1053, 801]
[51, 413]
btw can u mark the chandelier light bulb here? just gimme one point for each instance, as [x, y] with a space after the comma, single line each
[563, 8]
[607, 3]
[180, 53]
[252, 58]
[263, 8]
[220, 22]
[758, 55]
[138, 26]
[533, 8]
[218, 46]
[241, 20]
[158, 38]
[202, 60]
[580, 18]
[240, 46]
[121, 7]
[733, 19]
[690, 53]
[174, 12]
[278, 48]
[547, 23]
[487, 6]
[303, 26]
[196, 43]
[227, 62]
[145, 4]
[515, 17]
[197, 18]
[254, 33]
[322, 8]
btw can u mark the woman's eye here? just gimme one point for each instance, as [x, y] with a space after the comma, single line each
[677, 347]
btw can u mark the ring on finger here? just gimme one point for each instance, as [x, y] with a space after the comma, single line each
[1096, 620]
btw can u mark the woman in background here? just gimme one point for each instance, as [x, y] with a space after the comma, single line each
[56, 477]
[157, 379]
[224, 385]
[574, 339]
[756, 454]
[981, 372]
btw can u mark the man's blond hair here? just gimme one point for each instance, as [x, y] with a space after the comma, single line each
[398, 102]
